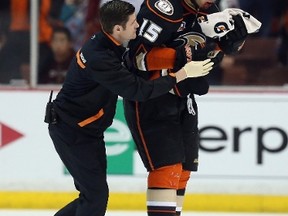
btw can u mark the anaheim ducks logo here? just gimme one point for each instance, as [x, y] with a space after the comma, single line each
[190, 38]
[221, 27]
[164, 6]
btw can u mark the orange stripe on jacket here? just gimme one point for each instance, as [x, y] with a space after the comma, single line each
[117, 43]
[91, 119]
[79, 61]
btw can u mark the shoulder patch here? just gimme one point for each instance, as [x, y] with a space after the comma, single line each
[164, 6]
[168, 10]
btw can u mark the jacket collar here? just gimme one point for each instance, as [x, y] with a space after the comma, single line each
[114, 45]
[111, 38]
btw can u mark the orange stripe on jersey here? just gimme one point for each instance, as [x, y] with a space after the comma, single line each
[79, 61]
[91, 119]
[142, 137]
[160, 58]
[169, 20]
[176, 91]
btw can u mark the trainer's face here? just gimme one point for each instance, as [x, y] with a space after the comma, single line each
[129, 32]
[205, 3]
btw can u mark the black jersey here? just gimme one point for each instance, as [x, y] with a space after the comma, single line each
[166, 25]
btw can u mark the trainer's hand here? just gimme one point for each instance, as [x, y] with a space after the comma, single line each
[198, 68]
[194, 69]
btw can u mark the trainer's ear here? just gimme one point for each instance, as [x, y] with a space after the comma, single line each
[117, 28]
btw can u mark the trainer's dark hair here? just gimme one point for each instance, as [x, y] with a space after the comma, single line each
[115, 12]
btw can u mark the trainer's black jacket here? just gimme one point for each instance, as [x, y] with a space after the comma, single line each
[96, 76]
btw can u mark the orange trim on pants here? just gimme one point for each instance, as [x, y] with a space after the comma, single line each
[165, 177]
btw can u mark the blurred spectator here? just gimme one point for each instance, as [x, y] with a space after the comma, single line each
[76, 21]
[262, 10]
[3, 38]
[281, 18]
[81, 18]
[4, 16]
[223, 4]
[55, 68]
[48, 20]
[16, 52]
[92, 18]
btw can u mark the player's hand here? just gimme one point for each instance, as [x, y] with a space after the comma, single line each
[234, 40]
[198, 68]
[209, 51]
[216, 57]
[240, 31]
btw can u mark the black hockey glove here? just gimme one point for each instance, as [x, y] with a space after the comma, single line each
[209, 51]
[186, 53]
[233, 41]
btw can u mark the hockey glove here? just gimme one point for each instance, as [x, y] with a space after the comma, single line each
[233, 41]
[188, 53]
[198, 68]
[208, 51]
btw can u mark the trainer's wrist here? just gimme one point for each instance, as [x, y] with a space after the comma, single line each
[180, 75]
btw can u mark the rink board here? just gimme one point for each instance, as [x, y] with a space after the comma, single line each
[243, 155]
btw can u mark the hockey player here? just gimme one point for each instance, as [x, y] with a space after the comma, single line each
[165, 128]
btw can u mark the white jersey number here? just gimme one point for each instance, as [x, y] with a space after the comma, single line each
[152, 31]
